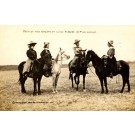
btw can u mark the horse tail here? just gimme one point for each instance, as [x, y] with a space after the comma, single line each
[126, 69]
[20, 70]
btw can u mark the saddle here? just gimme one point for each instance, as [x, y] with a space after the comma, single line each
[76, 63]
[30, 73]
[105, 61]
[47, 70]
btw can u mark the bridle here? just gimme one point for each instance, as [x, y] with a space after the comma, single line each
[63, 55]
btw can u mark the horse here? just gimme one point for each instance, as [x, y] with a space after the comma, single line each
[101, 71]
[37, 71]
[56, 67]
[80, 69]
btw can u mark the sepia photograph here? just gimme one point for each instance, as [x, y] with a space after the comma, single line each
[67, 68]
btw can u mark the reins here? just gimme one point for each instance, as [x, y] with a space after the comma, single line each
[61, 57]
[92, 71]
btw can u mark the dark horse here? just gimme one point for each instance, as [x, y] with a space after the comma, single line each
[101, 71]
[80, 69]
[38, 70]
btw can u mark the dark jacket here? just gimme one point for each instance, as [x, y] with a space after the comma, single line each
[44, 53]
[32, 54]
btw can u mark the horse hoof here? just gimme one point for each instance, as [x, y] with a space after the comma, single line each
[34, 94]
[121, 91]
[23, 91]
[54, 92]
[106, 92]
[102, 92]
[39, 93]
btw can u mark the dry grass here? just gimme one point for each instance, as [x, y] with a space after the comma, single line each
[67, 98]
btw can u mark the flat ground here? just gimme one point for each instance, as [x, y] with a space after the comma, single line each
[67, 98]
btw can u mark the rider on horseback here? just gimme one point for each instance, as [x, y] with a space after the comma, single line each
[78, 53]
[43, 54]
[32, 55]
[111, 58]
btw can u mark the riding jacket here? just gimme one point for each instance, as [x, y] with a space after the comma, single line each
[45, 52]
[32, 54]
[77, 50]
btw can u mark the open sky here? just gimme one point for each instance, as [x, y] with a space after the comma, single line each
[14, 40]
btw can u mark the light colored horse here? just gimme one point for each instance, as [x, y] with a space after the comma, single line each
[56, 68]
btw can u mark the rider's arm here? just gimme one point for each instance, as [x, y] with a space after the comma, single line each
[77, 50]
[35, 55]
[29, 54]
[42, 54]
[74, 49]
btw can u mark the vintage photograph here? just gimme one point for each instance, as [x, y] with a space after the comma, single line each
[67, 68]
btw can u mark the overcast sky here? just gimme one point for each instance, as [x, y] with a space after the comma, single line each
[14, 40]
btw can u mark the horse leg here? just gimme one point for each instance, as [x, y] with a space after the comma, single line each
[102, 87]
[128, 85]
[84, 75]
[75, 78]
[35, 88]
[22, 80]
[124, 82]
[53, 80]
[39, 84]
[105, 82]
[71, 77]
[72, 81]
[56, 82]
[77, 83]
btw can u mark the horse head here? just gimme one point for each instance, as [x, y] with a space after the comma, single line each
[63, 55]
[83, 61]
[89, 55]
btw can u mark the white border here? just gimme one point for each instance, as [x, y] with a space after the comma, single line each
[60, 12]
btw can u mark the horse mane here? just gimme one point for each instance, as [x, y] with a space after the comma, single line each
[95, 58]
[95, 53]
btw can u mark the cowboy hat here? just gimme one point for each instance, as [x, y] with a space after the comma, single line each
[76, 41]
[45, 44]
[110, 43]
[32, 43]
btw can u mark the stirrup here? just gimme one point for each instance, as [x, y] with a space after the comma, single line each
[30, 75]
[111, 75]
[25, 74]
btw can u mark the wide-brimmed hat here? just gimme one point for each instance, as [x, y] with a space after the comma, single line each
[76, 41]
[45, 44]
[32, 43]
[110, 43]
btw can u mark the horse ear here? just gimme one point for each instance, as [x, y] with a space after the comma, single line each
[60, 48]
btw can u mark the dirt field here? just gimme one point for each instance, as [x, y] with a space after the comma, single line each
[67, 98]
